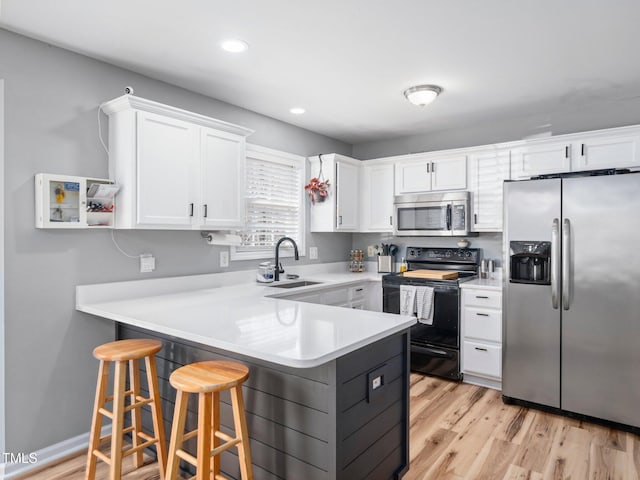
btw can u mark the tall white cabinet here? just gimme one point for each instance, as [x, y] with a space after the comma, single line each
[339, 212]
[376, 197]
[488, 169]
[178, 169]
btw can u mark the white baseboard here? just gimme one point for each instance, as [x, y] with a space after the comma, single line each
[49, 455]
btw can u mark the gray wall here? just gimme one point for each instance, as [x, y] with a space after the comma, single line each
[51, 100]
[599, 114]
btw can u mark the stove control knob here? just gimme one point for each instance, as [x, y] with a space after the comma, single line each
[448, 253]
[412, 253]
[418, 252]
[468, 254]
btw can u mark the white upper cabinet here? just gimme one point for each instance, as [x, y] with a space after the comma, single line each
[430, 172]
[413, 176]
[222, 179]
[601, 149]
[488, 170]
[607, 151]
[376, 198]
[177, 169]
[166, 164]
[347, 193]
[338, 212]
[540, 158]
[449, 173]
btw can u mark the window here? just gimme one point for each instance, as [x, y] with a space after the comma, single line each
[273, 203]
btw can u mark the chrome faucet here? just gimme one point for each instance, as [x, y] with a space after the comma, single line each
[278, 270]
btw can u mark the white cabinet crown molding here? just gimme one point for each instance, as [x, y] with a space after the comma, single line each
[126, 102]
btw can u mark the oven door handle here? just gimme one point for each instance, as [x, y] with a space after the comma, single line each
[431, 351]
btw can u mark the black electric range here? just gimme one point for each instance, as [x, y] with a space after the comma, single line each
[435, 348]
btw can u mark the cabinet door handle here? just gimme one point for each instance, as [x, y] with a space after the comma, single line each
[481, 296]
[390, 219]
[566, 151]
[359, 289]
[339, 219]
[191, 209]
[582, 150]
[482, 314]
[428, 166]
[475, 218]
[433, 167]
[205, 210]
[481, 349]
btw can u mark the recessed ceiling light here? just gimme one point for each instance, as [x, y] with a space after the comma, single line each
[297, 110]
[234, 46]
[422, 95]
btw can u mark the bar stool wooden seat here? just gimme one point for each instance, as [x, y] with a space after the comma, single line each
[208, 379]
[121, 353]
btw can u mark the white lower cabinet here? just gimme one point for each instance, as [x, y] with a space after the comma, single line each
[482, 336]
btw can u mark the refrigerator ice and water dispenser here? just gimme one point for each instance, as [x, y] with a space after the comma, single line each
[530, 262]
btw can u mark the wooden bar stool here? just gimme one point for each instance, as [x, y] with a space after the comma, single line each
[208, 379]
[120, 353]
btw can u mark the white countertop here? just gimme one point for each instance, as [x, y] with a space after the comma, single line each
[494, 283]
[231, 312]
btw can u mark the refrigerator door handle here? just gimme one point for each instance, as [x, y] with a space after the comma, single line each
[566, 262]
[555, 262]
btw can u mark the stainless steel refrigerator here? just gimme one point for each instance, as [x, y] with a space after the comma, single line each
[571, 336]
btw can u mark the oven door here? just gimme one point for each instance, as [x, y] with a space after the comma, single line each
[423, 219]
[444, 331]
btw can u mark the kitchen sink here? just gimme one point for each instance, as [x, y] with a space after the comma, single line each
[301, 283]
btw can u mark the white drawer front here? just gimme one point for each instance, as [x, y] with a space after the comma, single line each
[357, 291]
[481, 298]
[335, 297]
[482, 359]
[483, 323]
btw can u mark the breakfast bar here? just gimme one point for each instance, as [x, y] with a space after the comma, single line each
[328, 392]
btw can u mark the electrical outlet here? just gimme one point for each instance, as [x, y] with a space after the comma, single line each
[313, 253]
[147, 263]
[224, 259]
[371, 251]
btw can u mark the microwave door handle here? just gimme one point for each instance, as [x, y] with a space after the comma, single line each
[555, 262]
[449, 217]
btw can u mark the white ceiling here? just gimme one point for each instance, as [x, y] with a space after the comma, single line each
[348, 61]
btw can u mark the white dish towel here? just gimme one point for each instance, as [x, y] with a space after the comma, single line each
[407, 300]
[424, 305]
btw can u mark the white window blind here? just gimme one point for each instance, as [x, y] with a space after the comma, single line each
[273, 202]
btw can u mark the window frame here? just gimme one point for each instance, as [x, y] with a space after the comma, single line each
[276, 156]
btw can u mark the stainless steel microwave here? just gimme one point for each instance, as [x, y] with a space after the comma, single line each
[431, 214]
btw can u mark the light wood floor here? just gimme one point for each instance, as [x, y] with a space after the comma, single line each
[460, 431]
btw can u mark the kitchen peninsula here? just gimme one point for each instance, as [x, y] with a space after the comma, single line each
[328, 394]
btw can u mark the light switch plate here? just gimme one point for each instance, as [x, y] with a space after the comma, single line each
[224, 259]
[147, 263]
[313, 253]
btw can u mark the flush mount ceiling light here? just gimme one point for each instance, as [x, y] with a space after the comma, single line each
[422, 95]
[297, 110]
[234, 45]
